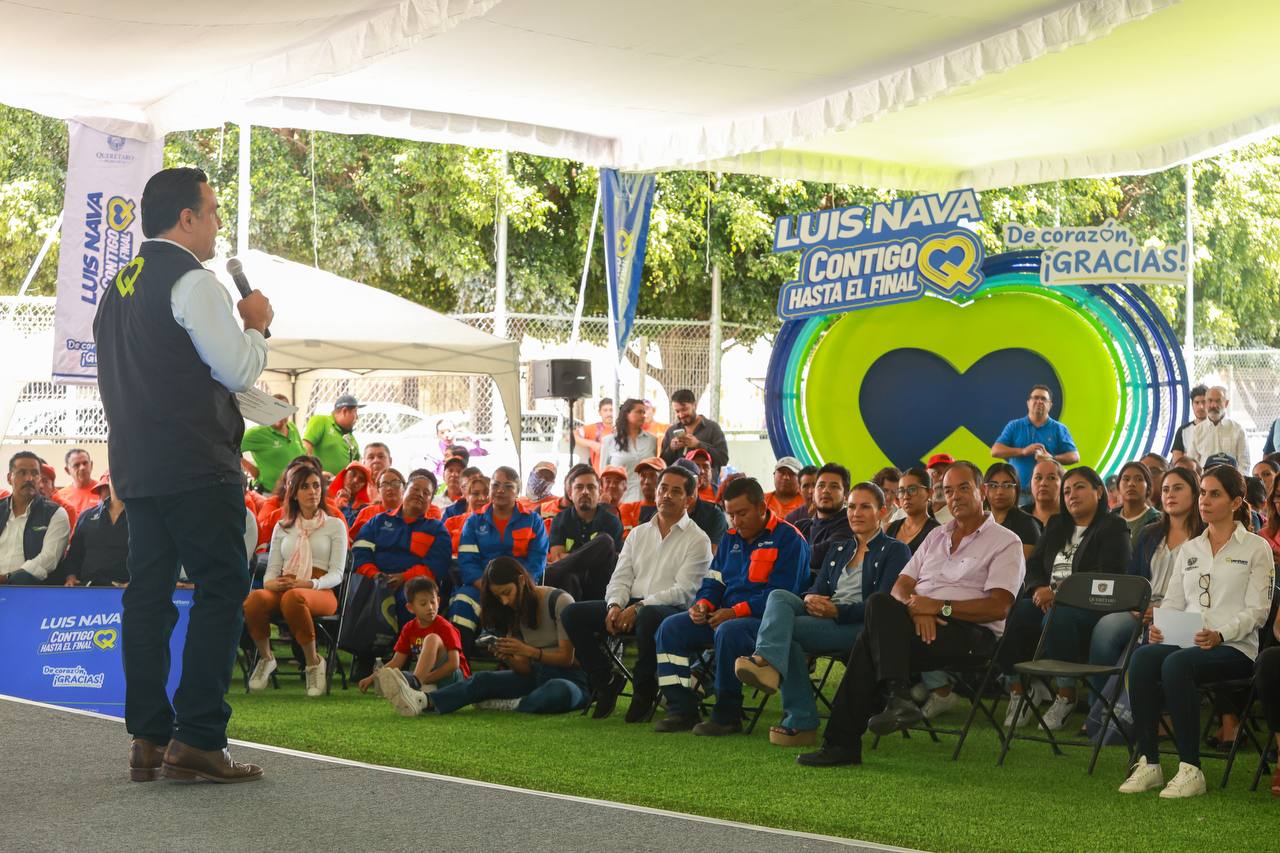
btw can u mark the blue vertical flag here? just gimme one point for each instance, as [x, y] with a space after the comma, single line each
[627, 200]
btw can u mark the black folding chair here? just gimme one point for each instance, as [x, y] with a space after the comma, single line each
[819, 682]
[615, 649]
[326, 646]
[703, 672]
[1099, 593]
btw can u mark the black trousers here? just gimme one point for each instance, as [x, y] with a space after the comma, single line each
[1266, 676]
[203, 532]
[584, 623]
[888, 650]
[585, 572]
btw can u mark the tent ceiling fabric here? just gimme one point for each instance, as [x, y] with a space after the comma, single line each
[921, 94]
[380, 331]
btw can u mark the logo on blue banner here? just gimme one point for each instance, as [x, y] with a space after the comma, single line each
[626, 200]
[859, 257]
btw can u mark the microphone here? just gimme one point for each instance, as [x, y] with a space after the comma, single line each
[236, 270]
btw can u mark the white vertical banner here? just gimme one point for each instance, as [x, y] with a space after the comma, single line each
[101, 231]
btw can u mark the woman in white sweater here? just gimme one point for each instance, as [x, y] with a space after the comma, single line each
[1224, 575]
[307, 558]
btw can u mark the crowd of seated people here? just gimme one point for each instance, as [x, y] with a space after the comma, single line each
[902, 575]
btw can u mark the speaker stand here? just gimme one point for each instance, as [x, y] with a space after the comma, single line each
[571, 401]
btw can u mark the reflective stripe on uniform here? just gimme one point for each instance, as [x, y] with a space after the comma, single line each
[669, 680]
[464, 622]
[674, 660]
[715, 576]
[468, 599]
[364, 543]
[468, 549]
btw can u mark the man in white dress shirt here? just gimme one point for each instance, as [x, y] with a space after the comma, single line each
[1217, 433]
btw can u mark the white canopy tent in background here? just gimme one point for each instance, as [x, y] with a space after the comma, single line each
[328, 327]
[919, 94]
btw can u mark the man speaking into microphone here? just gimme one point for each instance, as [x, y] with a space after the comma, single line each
[171, 357]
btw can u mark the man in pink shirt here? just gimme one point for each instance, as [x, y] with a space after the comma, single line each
[949, 603]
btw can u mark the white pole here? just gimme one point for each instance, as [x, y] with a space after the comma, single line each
[1189, 344]
[245, 196]
[500, 266]
[717, 336]
[586, 265]
[44, 250]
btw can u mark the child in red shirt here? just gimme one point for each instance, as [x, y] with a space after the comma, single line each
[434, 640]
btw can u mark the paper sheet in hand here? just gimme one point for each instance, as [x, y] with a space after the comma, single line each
[261, 408]
[1178, 626]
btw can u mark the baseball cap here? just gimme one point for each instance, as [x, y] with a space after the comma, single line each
[698, 453]
[461, 460]
[347, 401]
[46, 471]
[614, 470]
[791, 463]
[1219, 459]
[653, 463]
[545, 465]
[103, 481]
[687, 465]
[940, 459]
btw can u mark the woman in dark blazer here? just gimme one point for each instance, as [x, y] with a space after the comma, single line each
[1084, 537]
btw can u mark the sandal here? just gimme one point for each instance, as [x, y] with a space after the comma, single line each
[787, 736]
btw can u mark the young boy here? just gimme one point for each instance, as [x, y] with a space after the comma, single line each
[434, 640]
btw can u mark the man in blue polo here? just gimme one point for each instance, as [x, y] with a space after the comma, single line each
[1026, 441]
[759, 554]
[502, 530]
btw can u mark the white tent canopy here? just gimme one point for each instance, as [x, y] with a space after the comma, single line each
[374, 333]
[923, 94]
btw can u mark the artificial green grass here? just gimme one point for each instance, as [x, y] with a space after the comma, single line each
[906, 792]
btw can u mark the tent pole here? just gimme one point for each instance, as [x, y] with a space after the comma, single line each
[54, 230]
[500, 266]
[717, 335]
[245, 195]
[1189, 343]
[586, 266]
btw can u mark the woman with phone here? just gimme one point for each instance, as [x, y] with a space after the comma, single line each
[629, 445]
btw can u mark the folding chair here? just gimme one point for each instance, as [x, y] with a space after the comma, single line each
[703, 671]
[819, 682]
[615, 648]
[326, 647]
[1099, 593]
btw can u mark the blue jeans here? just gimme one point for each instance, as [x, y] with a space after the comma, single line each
[24, 578]
[547, 690]
[1110, 636]
[786, 637]
[1165, 677]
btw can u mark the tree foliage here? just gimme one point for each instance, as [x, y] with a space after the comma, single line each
[418, 220]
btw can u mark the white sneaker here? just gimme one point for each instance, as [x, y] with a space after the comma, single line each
[315, 679]
[1188, 783]
[407, 701]
[1013, 705]
[919, 693]
[1040, 693]
[1143, 777]
[1056, 717]
[388, 680]
[261, 676]
[939, 704]
[498, 704]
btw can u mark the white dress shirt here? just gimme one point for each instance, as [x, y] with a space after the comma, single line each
[202, 306]
[1226, 436]
[660, 570]
[12, 557]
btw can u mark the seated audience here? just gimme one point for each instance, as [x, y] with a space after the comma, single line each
[887, 479]
[377, 458]
[613, 485]
[1084, 538]
[47, 490]
[913, 499]
[1046, 491]
[391, 485]
[477, 500]
[539, 498]
[453, 510]
[585, 539]
[1266, 677]
[808, 479]
[82, 492]
[937, 466]
[708, 515]
[1225, 575]
[306, 562]
[272, 447]
[1255, 495]
[501, 530]
[591, 436]
[433, 511]
[99, 550]
[1271, 529]
[1266, 471]
[662, 564]
[830, 522]
[949, 603]
[428, 641]
[453, 499]
[701, 457]
[1003, 489]
[629, 444]
[785, 497]
[541, 676]
[826, 620]
[1112, 484]
[33, 530]
[1135, 492]
[351, 491]
[638, 512]
[760, 554]
[1189, 464]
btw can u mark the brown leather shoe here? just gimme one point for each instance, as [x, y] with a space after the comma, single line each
[144, 760]
[183, 763]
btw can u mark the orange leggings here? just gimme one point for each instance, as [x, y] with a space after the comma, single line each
[298, 607]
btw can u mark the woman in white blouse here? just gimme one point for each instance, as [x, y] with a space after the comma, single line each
[307, 558]
[1224, 575]
[630, 444]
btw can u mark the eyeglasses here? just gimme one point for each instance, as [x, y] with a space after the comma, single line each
[503, 487]
[391, 484]
[1204, 591]
[909, 491]
[1002, 486]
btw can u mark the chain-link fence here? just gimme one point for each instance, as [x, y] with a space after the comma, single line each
[1249, 375]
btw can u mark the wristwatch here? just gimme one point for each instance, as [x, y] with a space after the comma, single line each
[946, 608]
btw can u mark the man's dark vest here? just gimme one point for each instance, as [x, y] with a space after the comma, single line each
[171, 426]
[39, 514]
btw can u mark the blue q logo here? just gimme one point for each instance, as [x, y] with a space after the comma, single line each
[115, 143]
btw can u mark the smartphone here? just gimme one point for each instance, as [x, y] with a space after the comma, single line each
[677, 433]
[487, 642]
